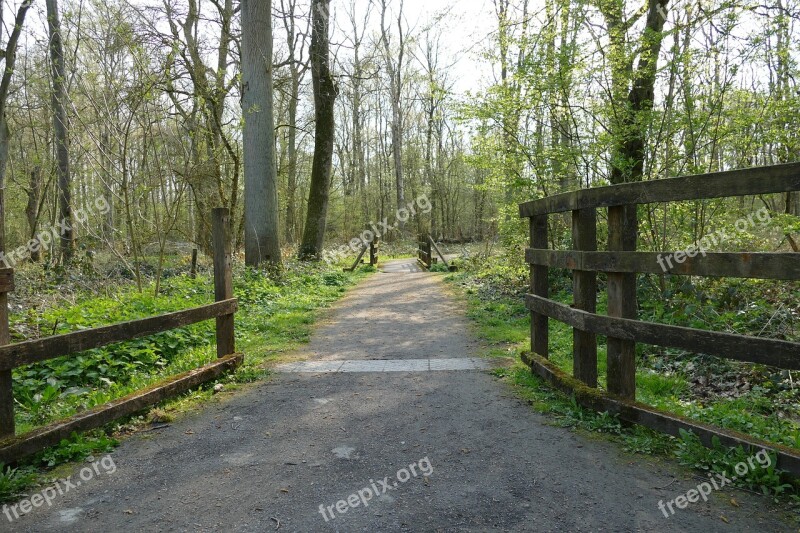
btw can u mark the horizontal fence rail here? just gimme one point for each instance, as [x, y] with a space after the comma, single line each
[621, 263]
[13, 447]
[778, 266]
[744, 182]
[16, 447]
[34, 351]
[770, 352]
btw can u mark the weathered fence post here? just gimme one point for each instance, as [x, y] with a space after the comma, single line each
[539, 323]
[621, 367]
[223, 278]
[7, 426]
[373, 252]
[358, 259]
[193, 271]
[584, 289]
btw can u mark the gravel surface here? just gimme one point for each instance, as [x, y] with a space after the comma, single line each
[279, 455]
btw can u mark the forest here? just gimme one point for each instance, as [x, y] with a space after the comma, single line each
[150, 97]
[123, 123]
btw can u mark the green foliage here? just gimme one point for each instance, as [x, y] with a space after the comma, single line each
[76, 448]
[573, 415]
[438, 267]
[44, 387]
[14, 482]
[720, 459]
[639, 439]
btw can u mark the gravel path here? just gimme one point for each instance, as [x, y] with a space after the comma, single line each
[385, 451]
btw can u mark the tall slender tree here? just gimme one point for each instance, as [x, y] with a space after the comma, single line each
[261, 242]
[10, 56]
[394, 69]
[325, 92]
[295, 43]
[61, 129]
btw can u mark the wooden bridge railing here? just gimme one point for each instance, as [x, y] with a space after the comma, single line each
[12, 356]
[424, 254]
[621, 263]
[425, 247]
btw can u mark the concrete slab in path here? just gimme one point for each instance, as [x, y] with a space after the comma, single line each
[385, 451]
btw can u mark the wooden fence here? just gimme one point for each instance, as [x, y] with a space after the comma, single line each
[425, 247]
[12, 356]
[372, 246]
[424, 255]
[621, 263]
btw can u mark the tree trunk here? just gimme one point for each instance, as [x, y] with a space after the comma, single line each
[4, 140]
[61, 129]
[395, 72]
[325, 92]
[8, 69]
[296, 72]
[261, 241]
[291, 192]
[108, 219]
[32, 207]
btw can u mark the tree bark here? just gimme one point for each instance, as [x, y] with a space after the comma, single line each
[395, 72]
[61, 130]
[32, 207]
[325, 93]
[261, 193]
[297, 70]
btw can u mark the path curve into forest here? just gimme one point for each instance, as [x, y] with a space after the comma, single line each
[397, 383]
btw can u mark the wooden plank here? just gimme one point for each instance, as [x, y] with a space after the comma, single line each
[584, 290]
[743, 182]
[665, 422]
[223, 278]
[30, 443]
[7, 424]
[358, 259]
[540, 325]
[772, 352]
[6, 280]
[439, 252]
[783, 266]
[24, 353]
[621, 290]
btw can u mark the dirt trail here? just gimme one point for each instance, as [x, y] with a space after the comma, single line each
[286, 452]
